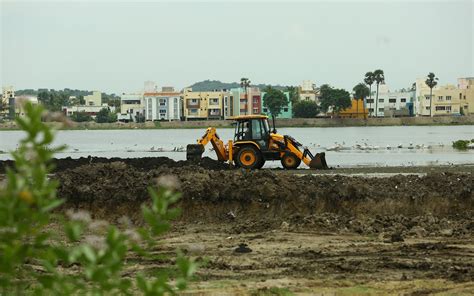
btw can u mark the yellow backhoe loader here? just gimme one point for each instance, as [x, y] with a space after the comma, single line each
[253, 144]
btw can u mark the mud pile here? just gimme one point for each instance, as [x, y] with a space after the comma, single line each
[144, 163]
[440, 203]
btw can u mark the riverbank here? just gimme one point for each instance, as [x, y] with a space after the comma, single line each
[294, 122]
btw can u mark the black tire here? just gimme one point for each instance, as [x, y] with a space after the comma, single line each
[261, 164]
[290, 161]
[248, 157]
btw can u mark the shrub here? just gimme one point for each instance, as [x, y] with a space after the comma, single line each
[34, 259]
[462, 144]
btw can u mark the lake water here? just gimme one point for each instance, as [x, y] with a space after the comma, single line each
[420, 145]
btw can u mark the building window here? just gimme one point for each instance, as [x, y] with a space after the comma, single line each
[440, 98]
[162, 102]
[448, 108]
[255, 110]
[440, 108]
[213, 101]
[403, 100]
[427, 108]
[427, 97]
[448, 98]
[381, 100]
[285, 109]
[265, 110]
[307, 98]
[392, 100]
[193, 111]
[371, 109]
[162, 111]
[380, 109]
[370, 101]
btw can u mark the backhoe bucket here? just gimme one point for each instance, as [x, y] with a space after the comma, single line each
[319, 162]
[194, 152]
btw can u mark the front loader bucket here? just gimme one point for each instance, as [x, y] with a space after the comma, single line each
[319, 162]
[194, 152]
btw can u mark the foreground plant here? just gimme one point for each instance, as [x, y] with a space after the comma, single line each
[36, 259]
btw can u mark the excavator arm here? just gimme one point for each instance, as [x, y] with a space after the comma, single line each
[194, 151]
[317, 161]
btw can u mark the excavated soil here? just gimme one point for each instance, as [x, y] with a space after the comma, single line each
[257, 230]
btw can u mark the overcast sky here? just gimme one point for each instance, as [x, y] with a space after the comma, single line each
[115, 47]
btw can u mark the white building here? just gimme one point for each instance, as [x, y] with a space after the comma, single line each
[90, 110]
[164, 105]
[391, 104]
[308, 91]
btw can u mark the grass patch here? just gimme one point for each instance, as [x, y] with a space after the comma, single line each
[273, 291]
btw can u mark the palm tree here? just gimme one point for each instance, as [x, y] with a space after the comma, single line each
[431, 81]
[369, 80]
[379, 78]
[361, 91]
[244, 83]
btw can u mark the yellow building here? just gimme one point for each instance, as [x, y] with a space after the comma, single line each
[203, 105]
[357, 110]
[466, 86]
[446, 100]
[95, 99]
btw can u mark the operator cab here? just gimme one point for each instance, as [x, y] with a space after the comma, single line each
[254, 128]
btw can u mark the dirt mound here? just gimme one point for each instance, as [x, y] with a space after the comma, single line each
[144, 163]
[438, 204]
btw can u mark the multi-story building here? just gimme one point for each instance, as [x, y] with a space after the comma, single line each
[466, 96]
[164, 105]
[446, 99]
[132, 107]
[286, 112]
[246, 102]
[95, 99]
[308, 91]
[391, 104]
[204, 105]
[7, 102]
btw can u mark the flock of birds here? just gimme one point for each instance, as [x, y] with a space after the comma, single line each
[364, 146]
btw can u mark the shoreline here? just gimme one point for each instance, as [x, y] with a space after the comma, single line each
[280, 123]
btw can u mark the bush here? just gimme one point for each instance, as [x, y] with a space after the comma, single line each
[105, 116]
[37, 260]
[462, 144]
[81, 117]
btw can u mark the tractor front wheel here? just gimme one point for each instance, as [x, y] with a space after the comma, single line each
[290, 161]
[248, 157]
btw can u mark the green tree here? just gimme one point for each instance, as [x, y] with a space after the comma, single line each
[361, 91]
[104, 115]
[294, 94]
[336, 99]
[379, 77]
[53, 100]
[369, 80]
[81, 117]
[274, 100]
[305, 109]
[431, 81]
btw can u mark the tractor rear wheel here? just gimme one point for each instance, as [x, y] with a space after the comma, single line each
[248, 157]
[290, 161]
